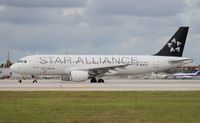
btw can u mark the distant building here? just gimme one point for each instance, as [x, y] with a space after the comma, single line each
[1, 65]
[189, 68]
[8, 62]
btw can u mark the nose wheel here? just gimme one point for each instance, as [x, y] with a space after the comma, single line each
[35, 78]
[35, 81]
[19, 81]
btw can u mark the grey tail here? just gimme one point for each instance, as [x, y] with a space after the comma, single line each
[175, 45]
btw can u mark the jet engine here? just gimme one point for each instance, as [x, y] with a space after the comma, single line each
[79, 76]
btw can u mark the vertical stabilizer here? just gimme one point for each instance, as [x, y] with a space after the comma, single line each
[175, 45]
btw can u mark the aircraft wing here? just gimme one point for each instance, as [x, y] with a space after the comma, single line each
[98, 71]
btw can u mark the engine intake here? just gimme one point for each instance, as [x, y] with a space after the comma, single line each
[79, 76]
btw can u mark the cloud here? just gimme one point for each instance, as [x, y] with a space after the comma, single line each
[95, 26]
[24, 16]
[154, 8]
[192, 3]
[43, 3]
[74, 11]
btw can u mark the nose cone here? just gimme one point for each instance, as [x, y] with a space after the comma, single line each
[14, 68]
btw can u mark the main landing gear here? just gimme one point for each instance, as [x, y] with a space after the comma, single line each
[94, 80]
[33, 77]
[19, 81]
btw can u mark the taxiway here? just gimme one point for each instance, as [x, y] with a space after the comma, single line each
[109, 85]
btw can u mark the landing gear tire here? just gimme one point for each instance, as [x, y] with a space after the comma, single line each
[93, 80]
[100, 81]
[19, 81]
[35, 81]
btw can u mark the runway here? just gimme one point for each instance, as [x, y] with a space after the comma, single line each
[109, 85]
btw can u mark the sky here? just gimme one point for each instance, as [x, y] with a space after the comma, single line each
[127, 27]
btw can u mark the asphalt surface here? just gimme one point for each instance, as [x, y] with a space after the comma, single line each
[109, 85]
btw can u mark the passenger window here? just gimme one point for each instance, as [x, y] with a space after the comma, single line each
[19, 61]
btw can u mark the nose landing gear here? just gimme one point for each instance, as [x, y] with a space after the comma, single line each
[35, 78]
[19, 81]
[35, 81]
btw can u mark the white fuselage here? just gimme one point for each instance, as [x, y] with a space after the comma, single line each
[64, 64]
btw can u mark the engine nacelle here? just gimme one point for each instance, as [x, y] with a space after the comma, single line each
[79, 76]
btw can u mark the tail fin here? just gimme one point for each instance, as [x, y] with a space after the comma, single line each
[175, 45]
[197, 73]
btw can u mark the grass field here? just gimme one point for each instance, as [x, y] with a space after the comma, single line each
[100, 107]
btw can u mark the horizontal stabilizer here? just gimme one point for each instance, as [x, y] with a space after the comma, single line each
[184, 61]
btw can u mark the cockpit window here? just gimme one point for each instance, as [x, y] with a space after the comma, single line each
[22, 61]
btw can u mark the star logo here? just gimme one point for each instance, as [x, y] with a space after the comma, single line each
[174, 45]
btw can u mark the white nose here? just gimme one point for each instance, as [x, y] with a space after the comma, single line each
[14, 68]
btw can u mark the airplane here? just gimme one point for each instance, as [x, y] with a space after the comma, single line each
[187, 75]
[78, 68]
[159, 76]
